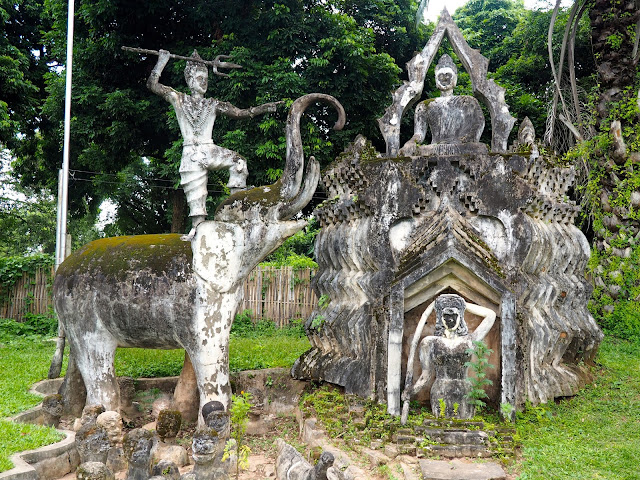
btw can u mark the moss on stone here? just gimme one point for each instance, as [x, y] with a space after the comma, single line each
[116, 255]
[265, 196]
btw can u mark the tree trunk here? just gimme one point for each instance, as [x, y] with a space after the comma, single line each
[612, 27]
[179, 210]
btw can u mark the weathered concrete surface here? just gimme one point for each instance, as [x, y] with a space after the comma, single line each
[496, 229]
[291, 465]
[458, 470]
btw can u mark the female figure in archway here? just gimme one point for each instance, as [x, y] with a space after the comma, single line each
[444, 355]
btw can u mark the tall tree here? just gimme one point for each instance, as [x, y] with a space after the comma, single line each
[609, 149]
[515, 41]
[287, 48]
[23, 65]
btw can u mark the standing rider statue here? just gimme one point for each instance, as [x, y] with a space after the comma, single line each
[196, 116]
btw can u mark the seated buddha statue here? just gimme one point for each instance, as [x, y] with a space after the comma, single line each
[456, 122]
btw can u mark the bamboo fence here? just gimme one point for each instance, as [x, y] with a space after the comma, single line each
[30, 294]
[278, 294]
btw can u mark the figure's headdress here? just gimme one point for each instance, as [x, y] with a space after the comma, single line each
[446, 61]
[450, 301]
[194, 67]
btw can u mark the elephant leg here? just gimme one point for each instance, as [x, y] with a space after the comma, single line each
[211, 366]
[94, 353]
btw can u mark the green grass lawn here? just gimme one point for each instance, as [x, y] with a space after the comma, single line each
[24, 361]
[594, 435]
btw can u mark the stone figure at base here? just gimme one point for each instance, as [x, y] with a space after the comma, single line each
[444, 355]
[196, 116]
[456, 122]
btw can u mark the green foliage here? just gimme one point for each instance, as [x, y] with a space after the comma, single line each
[348, 417]
[345, 48]
[616, 255]
[239, 410]
[615, 41]
[479, 367]
[12, 268]
[298, 250]
[515, 42]
[23, 63]
[319, 319]
[244, 326]
[323, 301]
[506, 411]
[33, 324]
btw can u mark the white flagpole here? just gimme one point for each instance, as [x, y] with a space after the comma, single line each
[63, 188]
[64, 177]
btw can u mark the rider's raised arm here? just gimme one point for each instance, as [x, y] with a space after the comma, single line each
[237, 113]
[153, 82]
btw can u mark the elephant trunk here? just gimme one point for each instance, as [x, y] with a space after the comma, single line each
[293, 170]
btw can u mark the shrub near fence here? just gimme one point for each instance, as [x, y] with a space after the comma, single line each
[279, 294]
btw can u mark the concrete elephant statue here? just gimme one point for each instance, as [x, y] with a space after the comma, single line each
[157, 291]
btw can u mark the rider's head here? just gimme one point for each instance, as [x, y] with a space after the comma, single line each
[196, 75]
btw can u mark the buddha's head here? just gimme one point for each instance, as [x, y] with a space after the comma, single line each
[446, 75]
[196, 75]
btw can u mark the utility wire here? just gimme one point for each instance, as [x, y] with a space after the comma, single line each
[161, 187]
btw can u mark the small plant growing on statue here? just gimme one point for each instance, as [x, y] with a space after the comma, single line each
[240, 406]
[479, 367]
[456, 407]
[506, 410]
[443, 407]
[317, 322]
[323, 301]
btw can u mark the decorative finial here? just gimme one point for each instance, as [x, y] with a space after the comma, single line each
[446, 62]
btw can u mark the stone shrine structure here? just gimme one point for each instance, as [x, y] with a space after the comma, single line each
[494, 226]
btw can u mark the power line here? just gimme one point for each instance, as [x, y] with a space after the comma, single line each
[161, 187]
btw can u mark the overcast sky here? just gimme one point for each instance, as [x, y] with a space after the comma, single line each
[436, 6]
